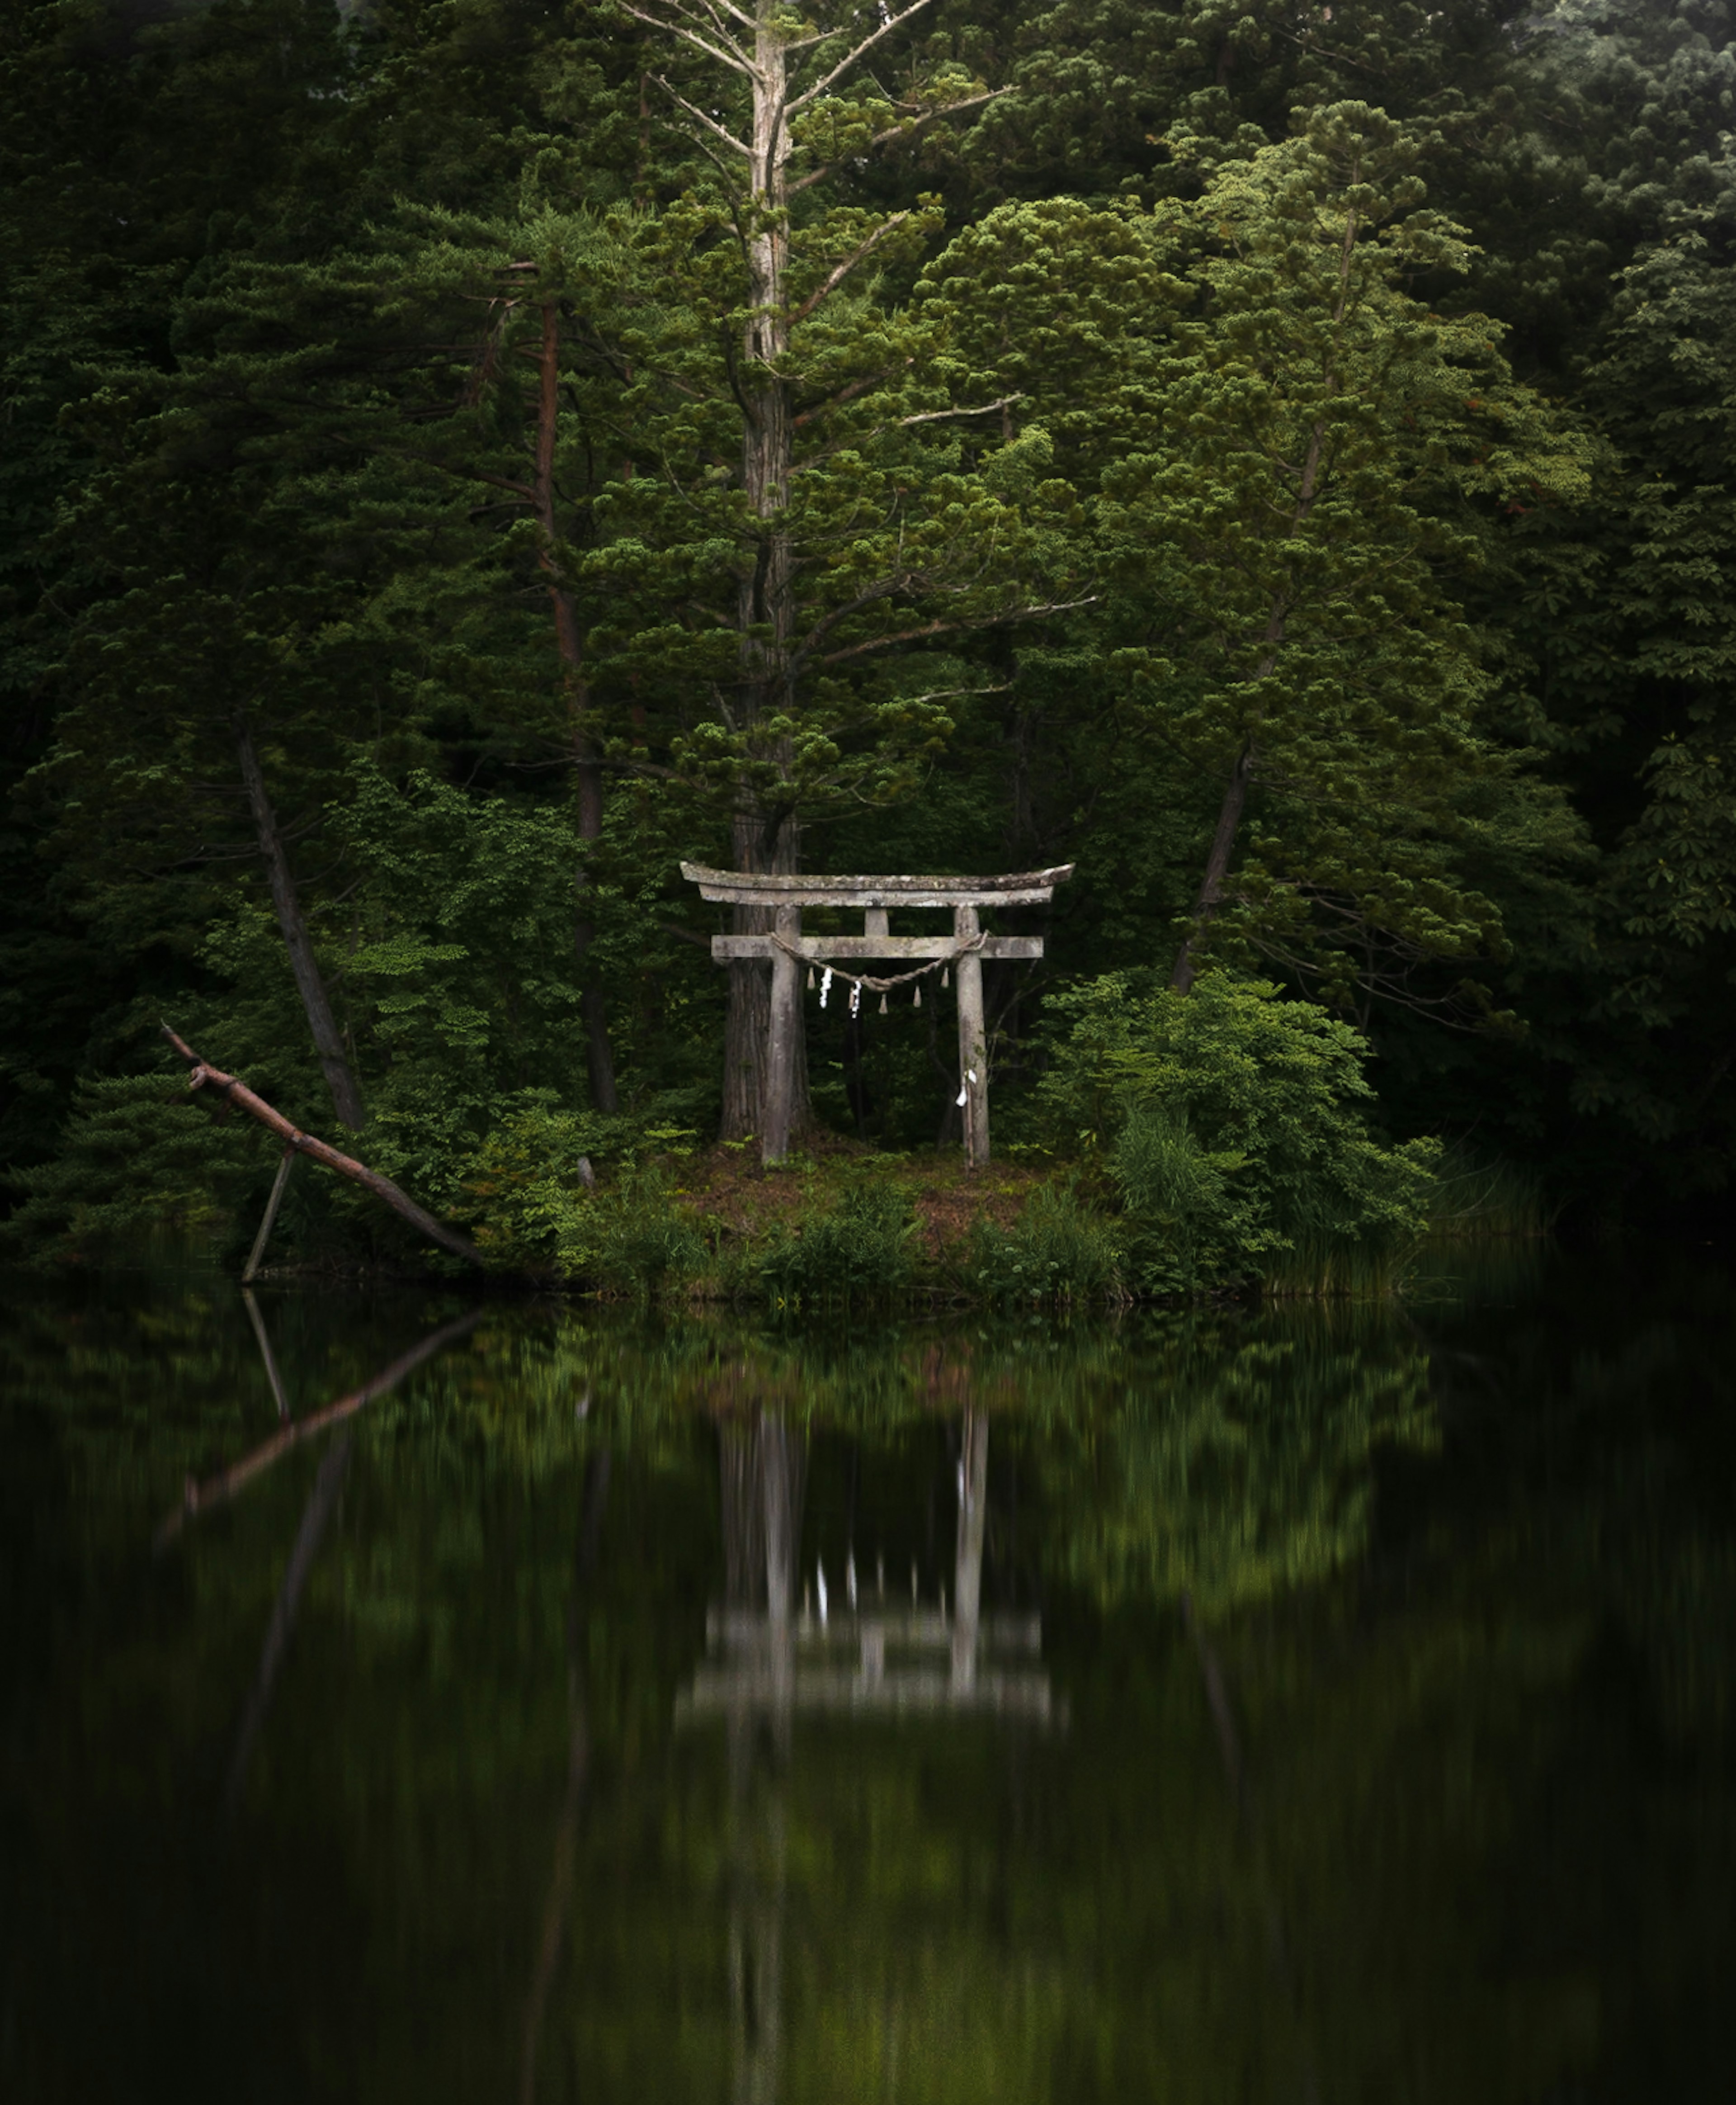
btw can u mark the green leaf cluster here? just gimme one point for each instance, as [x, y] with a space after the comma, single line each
[1234, 1125]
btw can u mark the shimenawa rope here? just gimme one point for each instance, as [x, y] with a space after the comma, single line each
[868, 980]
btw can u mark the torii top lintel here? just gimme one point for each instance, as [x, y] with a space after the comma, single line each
[1029, 888]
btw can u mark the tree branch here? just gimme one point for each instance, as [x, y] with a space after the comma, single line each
[839, 396]
[521, 490]
[897, 131]
[886, 588]
[319, 1151]
[844, 64]
[710, 123]
[714, 8]
[983, 409]
[956, 628]
[836, 278]
[725, 54]
[686, 935]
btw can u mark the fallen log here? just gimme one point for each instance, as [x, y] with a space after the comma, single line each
[319, 1151]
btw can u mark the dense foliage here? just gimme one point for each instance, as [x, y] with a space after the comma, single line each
[1236, 1129]
[460, 459]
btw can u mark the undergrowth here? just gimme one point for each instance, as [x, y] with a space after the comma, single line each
[1221, 1144]
[859, 1248]
[1060, 1250]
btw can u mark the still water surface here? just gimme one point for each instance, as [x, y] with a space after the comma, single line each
[1300, 1705]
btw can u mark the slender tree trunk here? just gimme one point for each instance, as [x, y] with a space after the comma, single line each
[762, 841]
[322, 1501]
[1211, 895]
[1217, 869]
[600, 1061]
[346, 1096]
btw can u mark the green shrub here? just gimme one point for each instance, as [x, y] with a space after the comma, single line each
[634, 1238]
[630, 1236]
[1236, 1130]
[1190, 1227]
[1058, 1250]
[859, 1248]
[525, 1189]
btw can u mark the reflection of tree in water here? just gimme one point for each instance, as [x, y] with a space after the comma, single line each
[1237, 1462]
[1212, 1453]
[762, 1467]
[866, 1656]
[558, 1908]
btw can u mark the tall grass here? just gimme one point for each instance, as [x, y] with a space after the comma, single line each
[1475, 1198]
[1059, 1251]
[857, 1249]
[1483, 1198]
[1326, 1267]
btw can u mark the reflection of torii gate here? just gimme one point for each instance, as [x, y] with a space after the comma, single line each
[767, 1660]
[867, 1654]
[784, 897]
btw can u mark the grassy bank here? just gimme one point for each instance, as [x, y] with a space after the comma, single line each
[845, 1223]
[840, 1223]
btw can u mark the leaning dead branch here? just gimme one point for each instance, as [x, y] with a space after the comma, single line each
[319, 1151]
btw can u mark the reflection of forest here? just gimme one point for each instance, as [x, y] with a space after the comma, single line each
[1471, 1594]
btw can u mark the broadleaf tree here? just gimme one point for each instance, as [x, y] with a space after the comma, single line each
[1326, 458]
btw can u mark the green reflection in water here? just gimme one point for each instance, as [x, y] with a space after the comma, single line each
[491, 1745]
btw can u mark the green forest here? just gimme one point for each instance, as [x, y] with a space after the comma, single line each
[463, 458]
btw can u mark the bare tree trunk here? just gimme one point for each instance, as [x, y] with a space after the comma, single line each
[346, 1096]
[747, 1032]
[756, 40]
[766, 608]
[599, 1060]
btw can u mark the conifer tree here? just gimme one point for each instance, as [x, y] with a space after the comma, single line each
[817, 501]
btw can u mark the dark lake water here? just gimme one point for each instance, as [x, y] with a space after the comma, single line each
[1311, 1704]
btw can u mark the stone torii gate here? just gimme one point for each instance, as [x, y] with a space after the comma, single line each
[784, 897]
